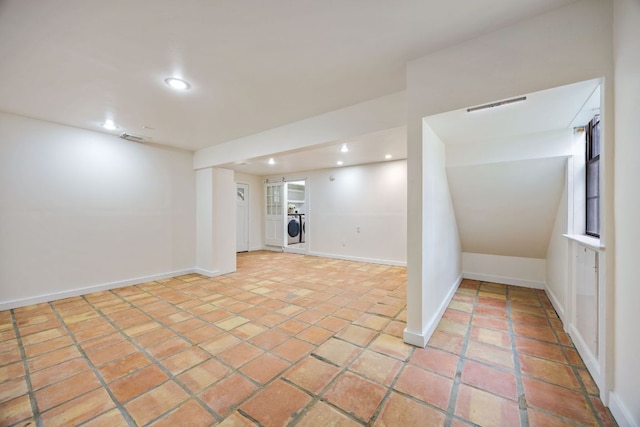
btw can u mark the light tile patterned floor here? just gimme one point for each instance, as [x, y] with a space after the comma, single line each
[291, 340]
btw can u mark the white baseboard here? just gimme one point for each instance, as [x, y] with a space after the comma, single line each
[208, 273]
[557, 306]
[294, 250]
[504, 280]
[360, 259]
[620, 412]
[421, 339]
[21, 302]
[590, 361]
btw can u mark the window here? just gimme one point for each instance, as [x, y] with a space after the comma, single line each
[593, 177]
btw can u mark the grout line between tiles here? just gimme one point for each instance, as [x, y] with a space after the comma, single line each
[155, 362]
[574, 369]
[93, 368]
[522, 402]
[27, 375]
[185, 296]
[453, 397]
[260, 387]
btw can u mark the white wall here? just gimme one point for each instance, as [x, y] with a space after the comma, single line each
[372, 197]
[215, 221]
[256, 209]
[557, 268]
[509, 270]
[507, 208]
[625, 399]
[506, 194]
[81, 211]
[433, 242]
[510, 149]
[544, 52]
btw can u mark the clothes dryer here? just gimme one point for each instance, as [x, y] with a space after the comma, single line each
[293, 229]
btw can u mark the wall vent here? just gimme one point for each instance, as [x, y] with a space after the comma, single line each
[133, 138]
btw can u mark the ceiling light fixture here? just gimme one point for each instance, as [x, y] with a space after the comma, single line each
[388, 156]
[496, 104]
[339, 163]
[271, 161]
[344, 148]
[109, 125]
[176, 83]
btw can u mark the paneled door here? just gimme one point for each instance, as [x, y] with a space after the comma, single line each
[242, 217]
[274, 214]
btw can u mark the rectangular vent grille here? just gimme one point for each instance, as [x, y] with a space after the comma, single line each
[133, 138]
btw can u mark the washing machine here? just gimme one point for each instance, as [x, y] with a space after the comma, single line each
[294, 229]
[303, 226]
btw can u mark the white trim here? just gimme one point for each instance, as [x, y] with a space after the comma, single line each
[360, 259]
[209, 273]
[620, 412]
[588, 241]
[504, 280]
[7, 305]
[295, 250]
[591, 362]
[421, 339]
[557, 306]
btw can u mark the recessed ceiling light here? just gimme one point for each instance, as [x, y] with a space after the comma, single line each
[109, 125]
[271, 161]
[344, 148]
[339, 163]
[177, 83]
[388, 156]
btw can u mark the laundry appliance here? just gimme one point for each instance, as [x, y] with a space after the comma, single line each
[303, 226]
[294, 229]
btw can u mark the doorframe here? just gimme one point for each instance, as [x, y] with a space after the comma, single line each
[248, 222]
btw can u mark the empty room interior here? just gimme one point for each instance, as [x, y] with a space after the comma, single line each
[319, 213]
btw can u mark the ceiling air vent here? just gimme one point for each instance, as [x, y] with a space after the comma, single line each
[133, 138]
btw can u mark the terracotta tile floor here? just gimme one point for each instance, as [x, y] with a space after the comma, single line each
[291, 340]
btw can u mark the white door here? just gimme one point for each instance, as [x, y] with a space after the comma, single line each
[242, 217]
[274, 214]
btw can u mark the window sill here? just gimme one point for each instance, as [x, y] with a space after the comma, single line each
[588, 241]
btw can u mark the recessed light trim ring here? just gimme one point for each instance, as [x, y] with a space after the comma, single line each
[177, 84]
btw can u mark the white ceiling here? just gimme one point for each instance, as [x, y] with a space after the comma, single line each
[370, 148]
[253, 65]
[508, 207]
[542, 111]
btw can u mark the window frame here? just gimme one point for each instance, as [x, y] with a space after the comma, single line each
[592, 161]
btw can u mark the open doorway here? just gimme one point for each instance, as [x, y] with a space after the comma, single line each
[296, 216]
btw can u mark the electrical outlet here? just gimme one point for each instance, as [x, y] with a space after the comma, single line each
[357, 229]
[344, 243]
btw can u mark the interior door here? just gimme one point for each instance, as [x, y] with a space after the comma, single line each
[274, 215]
[242, 217]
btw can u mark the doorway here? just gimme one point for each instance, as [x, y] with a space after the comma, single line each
[242, 217]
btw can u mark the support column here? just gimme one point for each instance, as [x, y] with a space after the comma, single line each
[215, 221]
